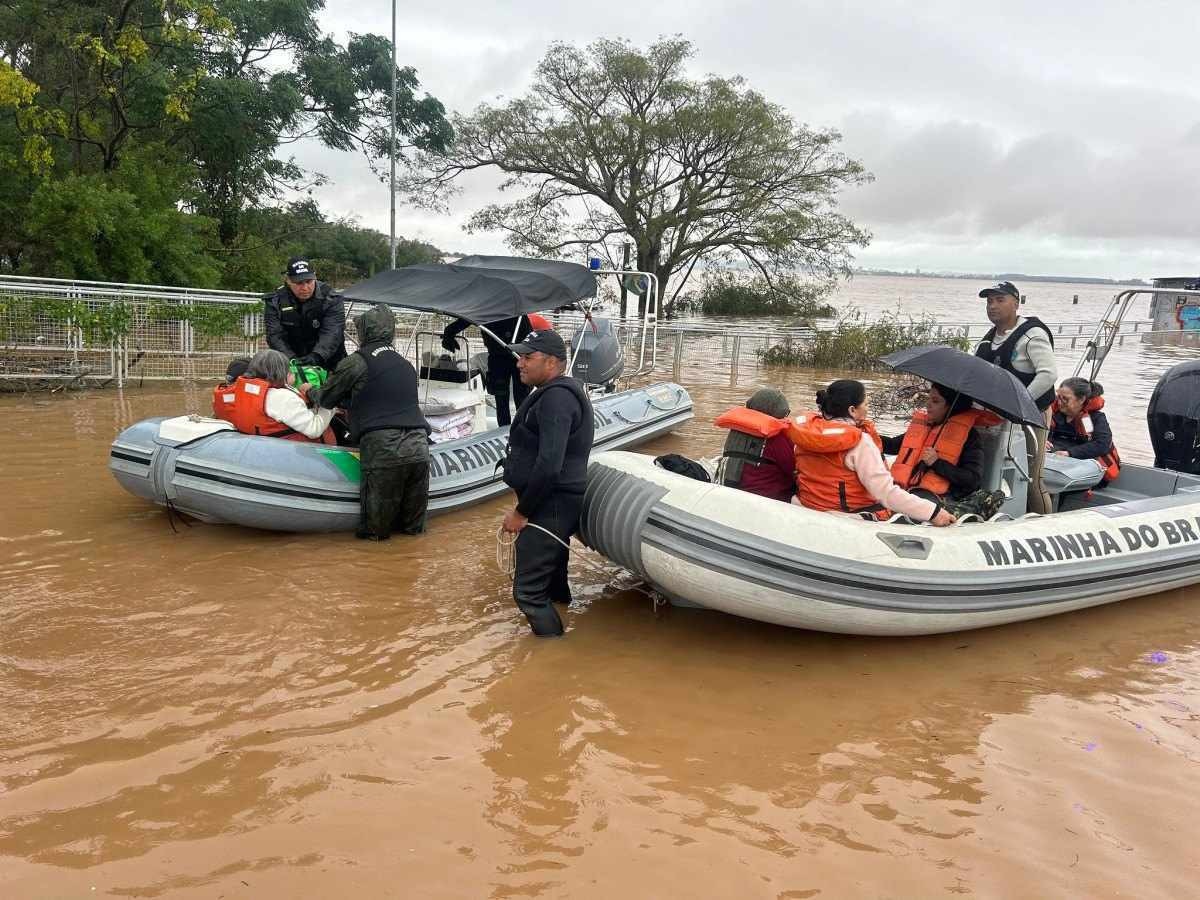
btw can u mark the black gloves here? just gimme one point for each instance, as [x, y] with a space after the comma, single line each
[310, 359]
[450, 344]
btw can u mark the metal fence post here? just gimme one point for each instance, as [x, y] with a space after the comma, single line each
[678, 362]
[737, 352]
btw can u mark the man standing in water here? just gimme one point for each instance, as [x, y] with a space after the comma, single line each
[548, 446]
[1024, 347]
[305, 320]
[379, 386]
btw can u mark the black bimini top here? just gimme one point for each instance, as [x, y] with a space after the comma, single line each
[479, 289]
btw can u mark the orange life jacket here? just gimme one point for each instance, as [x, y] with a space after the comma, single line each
[823, 481]
[244, 404]
[538, 322]
[751, 422]
[1111, 461]
[947, 438]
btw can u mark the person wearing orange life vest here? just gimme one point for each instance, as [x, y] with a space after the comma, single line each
[839, 461]
[1080, 430]
[262, 402]
[758, 457]
[940, 452]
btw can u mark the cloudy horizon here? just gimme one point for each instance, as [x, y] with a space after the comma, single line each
[1020, 138]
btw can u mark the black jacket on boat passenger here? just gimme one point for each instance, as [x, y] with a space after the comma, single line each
[378, 386]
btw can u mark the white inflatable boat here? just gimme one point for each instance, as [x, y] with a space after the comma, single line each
[707, 545]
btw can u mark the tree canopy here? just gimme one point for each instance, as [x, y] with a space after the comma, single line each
[140, 138]
[613, 143]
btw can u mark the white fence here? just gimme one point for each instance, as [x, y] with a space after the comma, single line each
[54, 330]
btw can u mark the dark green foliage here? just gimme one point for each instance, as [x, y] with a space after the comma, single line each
[855, 344]
[143, 140]
[727, 294]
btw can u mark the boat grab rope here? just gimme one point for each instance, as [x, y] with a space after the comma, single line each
[650, 404]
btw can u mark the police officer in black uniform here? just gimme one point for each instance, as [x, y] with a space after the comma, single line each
[305, 319]
[548, 446]
[379, 386]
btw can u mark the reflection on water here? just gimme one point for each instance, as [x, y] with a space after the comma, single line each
[219, 710]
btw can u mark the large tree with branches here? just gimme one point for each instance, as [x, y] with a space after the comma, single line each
[615, 144]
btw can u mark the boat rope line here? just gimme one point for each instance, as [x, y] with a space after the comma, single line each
[265, 488]
[129, 457]
[506, 561]
[760, 557]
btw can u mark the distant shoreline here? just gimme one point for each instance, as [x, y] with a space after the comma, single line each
[1004, 276]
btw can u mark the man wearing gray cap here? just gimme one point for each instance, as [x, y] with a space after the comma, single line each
[546, 465]
[305, 320]
[1023, 346]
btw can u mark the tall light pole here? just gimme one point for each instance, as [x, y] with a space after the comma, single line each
[392, 191]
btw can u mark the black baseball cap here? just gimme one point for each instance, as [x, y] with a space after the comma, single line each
[298, 269]
[1004, 287]
[547, 341]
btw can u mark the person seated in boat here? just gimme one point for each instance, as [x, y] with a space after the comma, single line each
[1080, 430]
[940, 452]
[839, 461]
[758, 456]
[262, 402]
[236, 368]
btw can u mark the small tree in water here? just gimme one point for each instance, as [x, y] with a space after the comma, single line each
[613, 143]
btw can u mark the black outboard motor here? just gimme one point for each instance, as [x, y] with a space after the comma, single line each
[1174, 419]
[601, 357]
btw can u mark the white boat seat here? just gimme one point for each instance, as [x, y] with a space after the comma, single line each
[1006, 466]
[1062, 474]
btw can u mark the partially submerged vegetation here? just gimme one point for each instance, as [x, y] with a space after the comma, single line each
[727, 294]
[855, 343]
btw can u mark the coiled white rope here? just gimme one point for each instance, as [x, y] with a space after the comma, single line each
[506, 561]
[506, 554]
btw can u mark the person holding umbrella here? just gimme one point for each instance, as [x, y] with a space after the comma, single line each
[940, 452]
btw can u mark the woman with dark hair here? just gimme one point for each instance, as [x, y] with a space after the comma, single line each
[940, 452]
[1079, 429]
[839, 461]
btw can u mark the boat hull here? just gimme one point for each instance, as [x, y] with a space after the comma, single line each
[261, 482]
[723, 549]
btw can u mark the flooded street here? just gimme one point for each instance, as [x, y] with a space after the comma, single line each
[217, 712]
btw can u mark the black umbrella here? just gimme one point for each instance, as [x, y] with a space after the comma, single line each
[479, 288]
[988, 385]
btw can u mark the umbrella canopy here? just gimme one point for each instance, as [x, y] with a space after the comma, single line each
[479, 289]
[988, 385]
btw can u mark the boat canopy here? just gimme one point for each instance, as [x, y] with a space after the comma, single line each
[480, 289]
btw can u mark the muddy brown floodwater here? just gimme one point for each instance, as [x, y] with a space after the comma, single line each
[226, 713]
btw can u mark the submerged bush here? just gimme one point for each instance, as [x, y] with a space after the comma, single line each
[854, 343]
[727, 294]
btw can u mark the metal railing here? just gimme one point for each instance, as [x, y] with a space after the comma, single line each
[56, 330]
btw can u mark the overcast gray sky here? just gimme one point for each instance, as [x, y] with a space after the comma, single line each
[1018, 136]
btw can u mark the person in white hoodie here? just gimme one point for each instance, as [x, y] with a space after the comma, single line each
[281, 405]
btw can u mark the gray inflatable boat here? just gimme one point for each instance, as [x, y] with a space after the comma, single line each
[203, 468]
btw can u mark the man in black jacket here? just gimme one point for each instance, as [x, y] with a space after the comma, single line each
[546, 465]
[305, 320]
[503, 379]
[379, 387]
